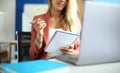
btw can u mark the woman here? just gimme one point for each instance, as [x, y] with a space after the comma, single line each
[61, 15]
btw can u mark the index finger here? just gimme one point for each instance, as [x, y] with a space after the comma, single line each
[34, 21]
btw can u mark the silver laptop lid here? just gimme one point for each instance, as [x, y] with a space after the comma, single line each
[100, 37]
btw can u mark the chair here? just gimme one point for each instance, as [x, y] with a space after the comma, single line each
[23, 46]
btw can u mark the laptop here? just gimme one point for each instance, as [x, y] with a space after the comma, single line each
[100, 35]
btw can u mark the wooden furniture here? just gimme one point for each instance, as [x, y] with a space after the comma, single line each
[81, 8]
[4, 56]
[9, 43]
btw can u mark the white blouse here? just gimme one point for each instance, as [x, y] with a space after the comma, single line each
[52, 31]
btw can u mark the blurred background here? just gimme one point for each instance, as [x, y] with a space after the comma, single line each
[16, 15]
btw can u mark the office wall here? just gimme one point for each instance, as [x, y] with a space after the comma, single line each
[8, 26]
[7, 22]
[19, 10]
[109, 1]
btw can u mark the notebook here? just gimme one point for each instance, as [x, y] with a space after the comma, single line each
[60, 39]
[100, 35]
[37, 66]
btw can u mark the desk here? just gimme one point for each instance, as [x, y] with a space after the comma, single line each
[10, 43]
[100, 68]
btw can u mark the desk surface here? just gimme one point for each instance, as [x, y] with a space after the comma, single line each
[100, 68]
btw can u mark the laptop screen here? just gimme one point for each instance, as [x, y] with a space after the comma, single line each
[100, 36]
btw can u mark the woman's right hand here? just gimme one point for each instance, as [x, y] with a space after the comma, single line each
[39, 26]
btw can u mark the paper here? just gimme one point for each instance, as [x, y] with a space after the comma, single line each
[60, 39]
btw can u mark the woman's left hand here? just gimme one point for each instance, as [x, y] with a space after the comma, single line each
[68, 50]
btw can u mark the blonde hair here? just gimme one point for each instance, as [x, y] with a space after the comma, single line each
[70, 15]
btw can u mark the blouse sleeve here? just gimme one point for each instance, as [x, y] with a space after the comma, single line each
[34, 51]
